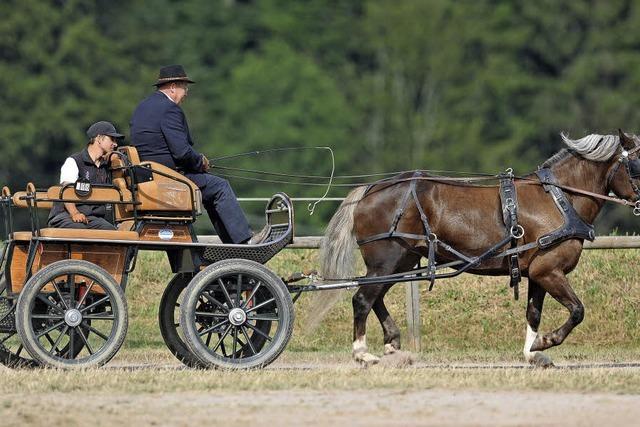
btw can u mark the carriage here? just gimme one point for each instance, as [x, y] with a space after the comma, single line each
[62, 290]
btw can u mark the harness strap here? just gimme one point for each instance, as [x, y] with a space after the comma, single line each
[509, 200]
[574, 226]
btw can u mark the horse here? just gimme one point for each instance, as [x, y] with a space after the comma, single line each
[469, 218]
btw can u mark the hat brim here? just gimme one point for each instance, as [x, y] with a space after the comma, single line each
[115, 135]
[177, 79]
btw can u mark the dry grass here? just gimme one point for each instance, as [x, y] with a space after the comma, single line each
[459, 318]
[465, 320]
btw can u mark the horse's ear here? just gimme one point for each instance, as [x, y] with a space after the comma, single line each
[626, 140]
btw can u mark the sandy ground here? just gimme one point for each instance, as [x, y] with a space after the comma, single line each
[313, 408]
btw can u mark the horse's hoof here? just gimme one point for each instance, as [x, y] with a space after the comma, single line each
[541, 360]
[389, 349]
[366, 359]
[397, 359]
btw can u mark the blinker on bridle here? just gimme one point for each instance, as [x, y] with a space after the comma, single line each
[633, 170]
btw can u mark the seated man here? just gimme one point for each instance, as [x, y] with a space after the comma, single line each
[160, 133]
[90, 166]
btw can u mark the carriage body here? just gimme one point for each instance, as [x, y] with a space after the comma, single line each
[50, 275]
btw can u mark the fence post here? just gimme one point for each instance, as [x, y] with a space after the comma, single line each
[413, 314]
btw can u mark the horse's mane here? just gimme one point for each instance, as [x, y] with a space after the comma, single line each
[595, 147]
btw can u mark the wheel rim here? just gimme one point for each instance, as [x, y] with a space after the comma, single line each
[78, 318]
[235, 317]
[170, 327]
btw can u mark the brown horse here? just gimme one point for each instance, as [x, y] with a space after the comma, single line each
[469, 218]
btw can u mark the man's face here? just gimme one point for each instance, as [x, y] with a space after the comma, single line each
[107, 143]
[179, 92]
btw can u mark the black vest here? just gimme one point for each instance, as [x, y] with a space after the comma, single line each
[87, 170]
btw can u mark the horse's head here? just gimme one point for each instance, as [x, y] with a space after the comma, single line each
[624, 173]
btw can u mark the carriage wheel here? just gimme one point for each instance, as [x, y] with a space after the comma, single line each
[237, 314]
[82, 302]
[169, 319]
[12, 352]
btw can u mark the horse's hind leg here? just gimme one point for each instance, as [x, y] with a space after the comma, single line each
[389, 328]
[557, 285]
[363, 300]
[534, 311]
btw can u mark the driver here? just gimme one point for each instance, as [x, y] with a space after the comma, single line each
[160, 133]
[90, 166]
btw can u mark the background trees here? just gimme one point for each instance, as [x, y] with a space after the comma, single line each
[390, 85]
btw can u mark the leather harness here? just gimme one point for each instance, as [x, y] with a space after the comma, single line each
[573, 226]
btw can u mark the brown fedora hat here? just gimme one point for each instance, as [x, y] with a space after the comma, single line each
[172, 73]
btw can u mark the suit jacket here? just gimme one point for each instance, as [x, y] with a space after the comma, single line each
[160, 133]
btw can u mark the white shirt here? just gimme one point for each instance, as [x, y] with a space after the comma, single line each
[69, 171]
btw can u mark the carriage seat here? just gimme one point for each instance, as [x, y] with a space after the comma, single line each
[44, 201]
[161, 192]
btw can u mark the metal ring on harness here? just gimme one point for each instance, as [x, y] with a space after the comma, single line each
[518, 231]
[432, 237]
[636, 209]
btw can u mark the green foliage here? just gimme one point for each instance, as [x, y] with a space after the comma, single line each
[473, 86]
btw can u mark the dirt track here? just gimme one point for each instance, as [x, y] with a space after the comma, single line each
[311, 408]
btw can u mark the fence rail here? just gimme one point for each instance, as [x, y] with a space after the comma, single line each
[601, 242]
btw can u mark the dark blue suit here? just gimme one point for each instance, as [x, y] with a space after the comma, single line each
[160, 133]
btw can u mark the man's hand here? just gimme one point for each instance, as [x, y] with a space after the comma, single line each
[205, 163]
[79, 217]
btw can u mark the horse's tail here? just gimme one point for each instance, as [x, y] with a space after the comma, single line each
[337, 257]
[337, 250]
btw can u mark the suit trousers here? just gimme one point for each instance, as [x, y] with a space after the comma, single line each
[223, 208]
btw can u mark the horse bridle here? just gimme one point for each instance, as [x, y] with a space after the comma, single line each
[632, 167]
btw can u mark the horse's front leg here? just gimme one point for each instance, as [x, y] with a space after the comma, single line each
[363, 301]
[534, 312]
[556, 284]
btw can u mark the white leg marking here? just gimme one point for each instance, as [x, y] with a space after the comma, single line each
[360, 353]
[360, 345]
[389, 349]
[537, 358]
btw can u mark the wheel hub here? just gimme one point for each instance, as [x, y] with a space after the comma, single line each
[73, 317]
[237, 316]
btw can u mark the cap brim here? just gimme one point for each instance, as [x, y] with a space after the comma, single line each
[116, 135]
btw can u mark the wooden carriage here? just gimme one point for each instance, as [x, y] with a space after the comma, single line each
[50, 276]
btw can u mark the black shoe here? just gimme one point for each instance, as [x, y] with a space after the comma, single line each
[260, 237]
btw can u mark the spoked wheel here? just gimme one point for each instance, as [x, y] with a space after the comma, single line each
[85, 321]
[237, 314]
[169, 319]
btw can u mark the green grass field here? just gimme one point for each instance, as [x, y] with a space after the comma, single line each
[470, 318]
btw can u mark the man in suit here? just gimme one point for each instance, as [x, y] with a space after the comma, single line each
[160, 133]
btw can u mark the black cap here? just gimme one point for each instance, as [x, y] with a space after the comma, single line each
[172, 73]
[103, 128]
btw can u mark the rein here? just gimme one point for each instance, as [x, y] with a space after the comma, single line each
[467, 179]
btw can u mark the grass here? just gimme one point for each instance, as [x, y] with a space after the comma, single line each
[460, 316]
[469, 319]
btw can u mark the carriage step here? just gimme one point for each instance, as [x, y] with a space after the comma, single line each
[282, 209]
[7, 317]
